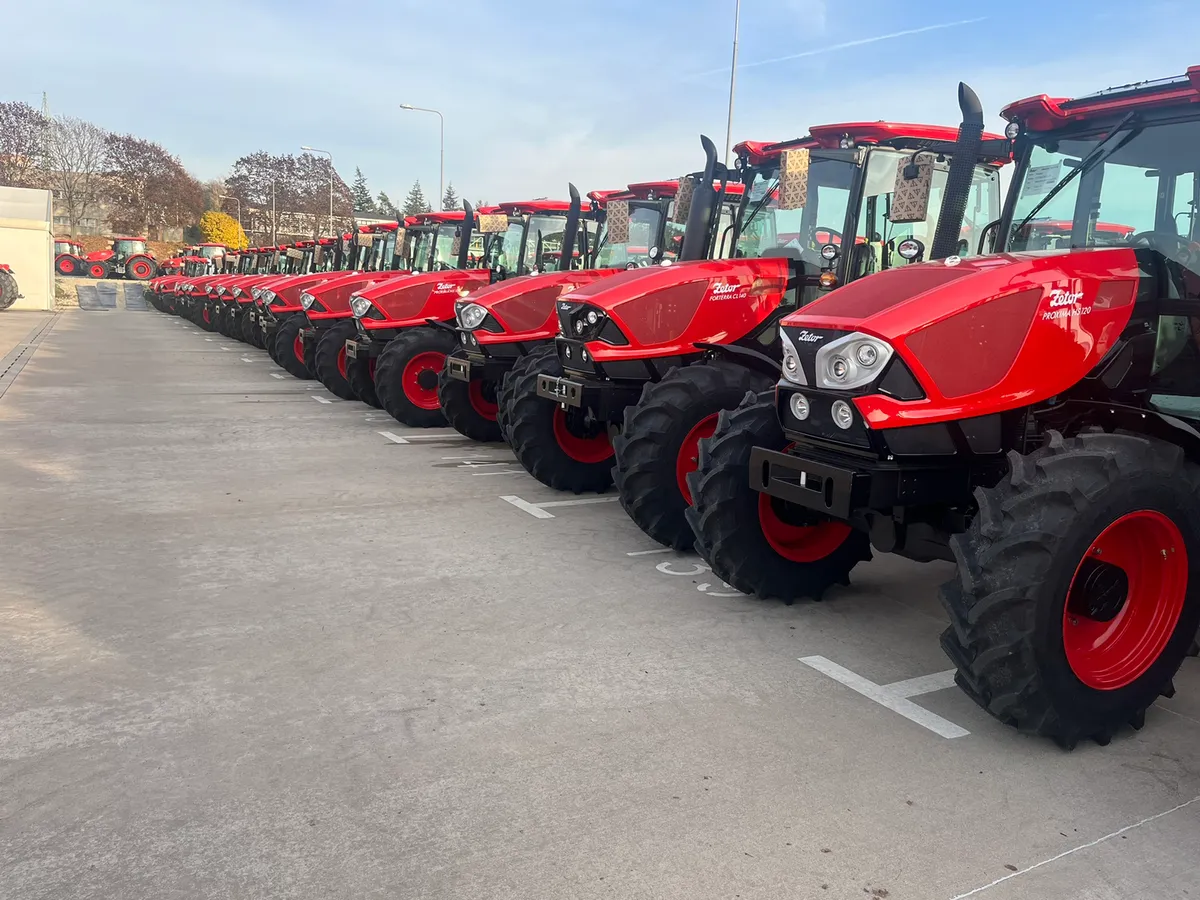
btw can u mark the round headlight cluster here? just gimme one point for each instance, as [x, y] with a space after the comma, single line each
[579, 326]
[592, 317]
[255, 292]
[307, 300]
[843, 415]
[359, 306]
[472, 315]
[799, 406]
[268, 296]
[852, 362]
[829, 252]
[220, 292]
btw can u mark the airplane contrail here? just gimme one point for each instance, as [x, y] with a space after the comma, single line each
[830, 48]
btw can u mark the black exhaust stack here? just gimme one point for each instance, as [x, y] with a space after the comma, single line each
[962, 174]
[468, 224]
[704, 201]
[570, 230]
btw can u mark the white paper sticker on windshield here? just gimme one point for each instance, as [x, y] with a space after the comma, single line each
[1041, 179]
[758, 190]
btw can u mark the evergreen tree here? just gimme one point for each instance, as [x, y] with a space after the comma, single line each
[451, 201]
[415, 203]
[385, 206]
[363, 202]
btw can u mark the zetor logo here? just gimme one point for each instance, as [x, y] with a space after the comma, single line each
[725, 290]
[1063, 298]
[445, 286]
[807, 337]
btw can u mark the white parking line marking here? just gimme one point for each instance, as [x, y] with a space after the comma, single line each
[499, 472]
[650, 552]
[536, 511]
[247, 359]
[394, 438]
[210, 340]
[227, 348]
[1087, 846]
[276, 375]
[895, 696]
[322, 400]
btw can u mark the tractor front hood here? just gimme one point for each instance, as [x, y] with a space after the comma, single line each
[979, 336]
[524, 307]
[414, 299]
[332, 297]
[667, 310]
[288, 288]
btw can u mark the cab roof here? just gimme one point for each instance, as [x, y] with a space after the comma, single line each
[452, 215]
[529, 207]
[901, 135]
[1044, 113]
[125, 238]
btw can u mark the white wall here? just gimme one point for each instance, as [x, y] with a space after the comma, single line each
[27, 244]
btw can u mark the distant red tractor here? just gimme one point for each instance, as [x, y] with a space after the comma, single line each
[69, 257]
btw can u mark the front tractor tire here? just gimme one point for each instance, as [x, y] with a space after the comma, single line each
[360, 372]
[406, 377]
[8, 289]
[563, 449]
[659, 445]
[330, 357]
[289, 349]
[470, 407]
[506, 396]
[98, 269]
[140, 268]
[757, 543]
[1073, 608]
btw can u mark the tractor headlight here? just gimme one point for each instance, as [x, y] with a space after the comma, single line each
[800, 407]
[843, 415]
[792, 370]
[221, 292]
[853, 361]
[359, 306]
[237, 292]
[267, 296]
[307, 300]
[255, 292]
[471, 316]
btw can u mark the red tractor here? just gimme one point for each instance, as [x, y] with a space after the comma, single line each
[500, 325]
[403, 331]
[653, 356]
[1032, 416]
[69, 257]
[8, 287]
[128, 258]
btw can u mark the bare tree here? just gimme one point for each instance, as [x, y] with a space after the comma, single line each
[74, 160]
[22, 144]
[148, 187]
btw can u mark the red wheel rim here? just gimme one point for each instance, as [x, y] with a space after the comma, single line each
[689, 453]
[1125, 600]
[480, 403]
[341, 361]
[141, 270]
[298, 348]
[97, 271]
[207, 317]
[424, 396]
[585, 450]
[799, 543]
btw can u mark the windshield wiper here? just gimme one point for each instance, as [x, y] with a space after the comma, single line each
[1093, 159]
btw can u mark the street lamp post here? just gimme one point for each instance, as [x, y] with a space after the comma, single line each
[442, 141]
[330, 155]
[737, 20]
[238, 200]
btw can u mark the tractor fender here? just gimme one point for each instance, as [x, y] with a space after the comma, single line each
[751, 359]
[437, 323]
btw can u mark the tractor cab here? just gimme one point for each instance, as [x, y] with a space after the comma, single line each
[375, 249]
[70, 257]
[128, 257]
[67, 246]
[527, 237]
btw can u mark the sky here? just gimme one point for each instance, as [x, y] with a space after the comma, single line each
[536, 93]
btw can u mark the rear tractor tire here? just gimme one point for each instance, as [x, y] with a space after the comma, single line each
[470, 407]
[288, 351]
[406, 377]
[757, 543]
[68, 266]
[330, 358]
[563, 449]
[659, 445]
[8, 290]
[1073, 608]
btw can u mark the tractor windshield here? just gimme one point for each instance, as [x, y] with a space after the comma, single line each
[212, 252]
[421, 241]
[444, 256]
[503, 253]
[645, 232]
[1095, 189]
[126, 248]
[550, 229]
[766, 227]
[62, 247]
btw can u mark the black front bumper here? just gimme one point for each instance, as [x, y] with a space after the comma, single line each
[363, 348]
[476, 367]
[842, 486]
[607, 400]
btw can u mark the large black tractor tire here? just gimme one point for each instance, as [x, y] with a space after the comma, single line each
[140, 268]
[203, 316]
[331, 360]
[1072, 610]
[659, 445]
[505, 396]
[249, 328]
[470, 408]
[754, 542]
[406, 376]
[8, 290]
[560, 448]
[68, 266]
[310, 351]
[360, 372]
[223, 320]
[98, 270]
[287, 348]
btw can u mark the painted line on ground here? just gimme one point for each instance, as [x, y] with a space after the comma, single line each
[277, 375]
[650, 552]
[1087, 846]
[500, 472]
[394, 438]
[210, 340]
[538, 510]
[896, 696]
[322, 400]
[248, 359]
